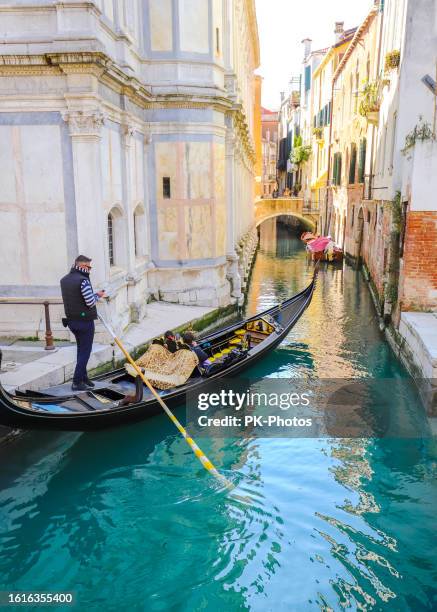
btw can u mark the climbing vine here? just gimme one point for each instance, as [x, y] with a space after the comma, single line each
[396, 213]
[422, 131]
[392, 286]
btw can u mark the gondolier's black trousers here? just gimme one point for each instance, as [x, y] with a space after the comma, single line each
[84, 333]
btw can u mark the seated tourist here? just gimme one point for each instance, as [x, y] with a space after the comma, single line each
[189, 339]
[168, 340]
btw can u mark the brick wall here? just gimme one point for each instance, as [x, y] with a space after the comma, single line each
[418, 279]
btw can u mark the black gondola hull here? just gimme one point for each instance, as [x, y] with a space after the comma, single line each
[16, 416]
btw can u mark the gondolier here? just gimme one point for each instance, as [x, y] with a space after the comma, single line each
[80, 313]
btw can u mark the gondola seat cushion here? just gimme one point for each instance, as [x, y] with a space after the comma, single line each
[163, 369]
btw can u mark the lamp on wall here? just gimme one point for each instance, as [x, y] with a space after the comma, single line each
[430, 83]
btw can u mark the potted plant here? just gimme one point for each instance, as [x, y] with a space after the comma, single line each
[296, 189]
[300, 153]
[318, 133]
[370, 101]
[392, 60]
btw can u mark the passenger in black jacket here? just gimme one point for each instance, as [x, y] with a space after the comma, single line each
[189, 339]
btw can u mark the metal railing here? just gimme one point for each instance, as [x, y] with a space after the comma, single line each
[32, 302]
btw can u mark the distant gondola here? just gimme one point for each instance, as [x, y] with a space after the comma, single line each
[104, 406]
[322, 248]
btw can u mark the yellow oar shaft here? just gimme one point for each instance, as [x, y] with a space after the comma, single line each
[207, 464]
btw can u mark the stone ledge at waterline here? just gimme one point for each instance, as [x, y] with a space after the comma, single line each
[56, 367]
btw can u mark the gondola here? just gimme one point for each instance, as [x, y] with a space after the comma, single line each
[322, 248]
[106, 405]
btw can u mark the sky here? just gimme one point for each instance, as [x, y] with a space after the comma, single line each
[282, 24]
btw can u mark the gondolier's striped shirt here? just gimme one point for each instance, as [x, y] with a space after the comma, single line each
[88, 294]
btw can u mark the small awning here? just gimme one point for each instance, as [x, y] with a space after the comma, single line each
[321, 181]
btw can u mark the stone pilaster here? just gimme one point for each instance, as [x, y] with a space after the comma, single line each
[232, 257]
[85, 131]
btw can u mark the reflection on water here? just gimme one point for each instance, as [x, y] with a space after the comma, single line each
[128, 520]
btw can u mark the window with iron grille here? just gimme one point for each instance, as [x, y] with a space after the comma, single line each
[111, 239]
[166, 189]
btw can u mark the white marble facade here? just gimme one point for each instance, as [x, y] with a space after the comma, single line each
[126, 135]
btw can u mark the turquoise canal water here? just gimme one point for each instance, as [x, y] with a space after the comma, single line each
[128, 520]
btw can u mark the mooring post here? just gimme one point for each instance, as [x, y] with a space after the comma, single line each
[49, 336]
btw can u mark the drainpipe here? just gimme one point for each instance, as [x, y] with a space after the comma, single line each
[374, 127]
[325, 233]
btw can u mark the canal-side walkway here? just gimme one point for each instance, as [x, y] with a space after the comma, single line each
[419, 333]
[32, 367]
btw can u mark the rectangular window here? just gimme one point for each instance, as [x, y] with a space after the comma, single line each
[393, 142]
[135, 235]
[217, 40]
[110, 240]
[307, 78]
[166, 191]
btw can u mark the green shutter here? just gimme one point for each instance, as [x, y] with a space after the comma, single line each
[362, 161]
[353, 164]
[336, 174]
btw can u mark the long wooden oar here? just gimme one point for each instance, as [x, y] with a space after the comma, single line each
[207, 464]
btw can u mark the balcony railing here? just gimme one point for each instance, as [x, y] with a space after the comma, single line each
[311, 206]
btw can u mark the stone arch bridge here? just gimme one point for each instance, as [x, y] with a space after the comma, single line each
[267, 208]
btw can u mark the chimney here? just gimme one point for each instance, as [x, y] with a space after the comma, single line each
[306, 47]
[339, 31]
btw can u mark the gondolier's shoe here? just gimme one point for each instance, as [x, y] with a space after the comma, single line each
[89, 383]
[79, 387]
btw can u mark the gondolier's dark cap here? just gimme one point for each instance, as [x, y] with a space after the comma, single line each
[82, 259]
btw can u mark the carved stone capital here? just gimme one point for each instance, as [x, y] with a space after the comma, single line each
[127, 130]
[84, 123]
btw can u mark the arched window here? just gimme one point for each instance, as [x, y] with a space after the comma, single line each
[115, 237]
[111, 239]
[139, 231]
